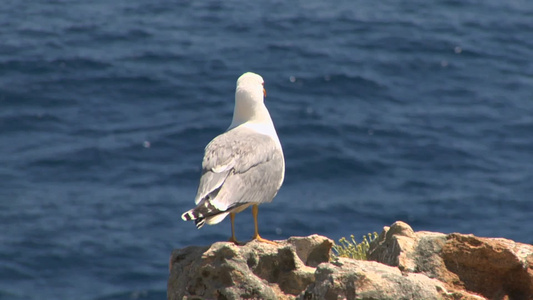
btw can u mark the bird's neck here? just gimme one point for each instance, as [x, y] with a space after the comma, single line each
[243, 114]
[257, 119]
[253, 112]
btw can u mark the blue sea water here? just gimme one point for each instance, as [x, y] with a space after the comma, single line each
[387, 110]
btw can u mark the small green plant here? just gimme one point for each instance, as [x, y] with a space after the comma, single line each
[352, 249]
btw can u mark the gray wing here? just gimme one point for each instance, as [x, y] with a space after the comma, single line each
[240, 166]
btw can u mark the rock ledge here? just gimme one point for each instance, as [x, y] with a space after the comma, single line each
[406, 265]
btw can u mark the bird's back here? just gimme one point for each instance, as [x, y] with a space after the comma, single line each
[241, 166]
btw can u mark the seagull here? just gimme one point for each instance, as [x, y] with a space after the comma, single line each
[243, 166]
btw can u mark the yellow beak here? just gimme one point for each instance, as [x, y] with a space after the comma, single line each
[265, 92]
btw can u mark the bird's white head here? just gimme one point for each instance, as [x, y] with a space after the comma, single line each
[250, 85]
[249, 100]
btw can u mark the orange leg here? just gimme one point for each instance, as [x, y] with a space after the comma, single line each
[232, 238]
[257, 237]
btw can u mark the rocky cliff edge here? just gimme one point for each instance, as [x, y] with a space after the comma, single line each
[403, 264]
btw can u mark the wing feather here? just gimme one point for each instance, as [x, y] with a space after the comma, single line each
[240, 166]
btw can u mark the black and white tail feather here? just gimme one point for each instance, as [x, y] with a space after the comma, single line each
[206, 211]
[199, 219]
[199, 214]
